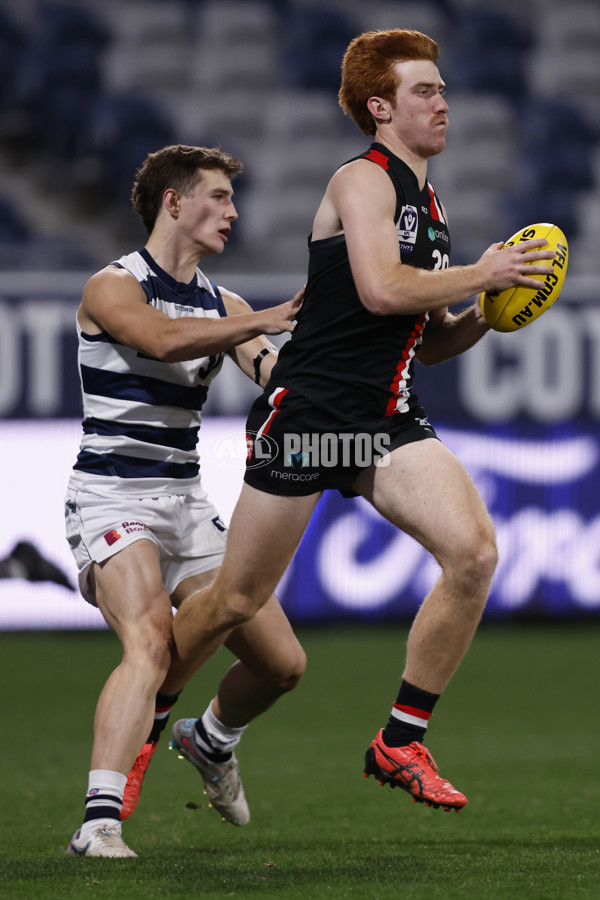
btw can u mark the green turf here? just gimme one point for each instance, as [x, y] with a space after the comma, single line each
[518, 730]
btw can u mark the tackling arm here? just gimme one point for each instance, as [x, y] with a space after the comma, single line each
[114, 302]
[250, 356]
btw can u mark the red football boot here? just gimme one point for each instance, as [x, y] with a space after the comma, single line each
[413, 769]
[133, 788]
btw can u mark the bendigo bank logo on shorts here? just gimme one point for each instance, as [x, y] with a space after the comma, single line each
[134, 526]
[111, 537]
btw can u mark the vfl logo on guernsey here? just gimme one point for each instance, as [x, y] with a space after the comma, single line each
[407, 226]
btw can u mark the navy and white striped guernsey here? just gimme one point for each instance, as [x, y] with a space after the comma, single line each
[142, 416]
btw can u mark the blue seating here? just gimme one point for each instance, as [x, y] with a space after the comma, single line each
[118, 133]
[66, 24]
[558, 144]
[545, 120]
[13, 228]
[557, 206]
[56, 89]
[11, 44]
[55, 74]
[554, 164]
[314, 44]
[61, 121]
[490, 52]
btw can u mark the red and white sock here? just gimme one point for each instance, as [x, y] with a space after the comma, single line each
[409, 716]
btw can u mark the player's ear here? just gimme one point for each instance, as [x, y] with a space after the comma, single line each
[171, 199]
[380, 109]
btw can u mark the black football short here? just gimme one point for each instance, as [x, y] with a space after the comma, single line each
[295, 448]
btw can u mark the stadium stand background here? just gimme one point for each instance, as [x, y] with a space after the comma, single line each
[88, 88]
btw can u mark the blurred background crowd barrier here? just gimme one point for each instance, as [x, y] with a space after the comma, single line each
[87, 89]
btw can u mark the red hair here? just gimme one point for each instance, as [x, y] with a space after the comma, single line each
[368, 69]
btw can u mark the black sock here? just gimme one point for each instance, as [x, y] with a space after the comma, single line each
[164, 705]
[410, 716]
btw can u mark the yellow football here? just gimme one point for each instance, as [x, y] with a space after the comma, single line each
[516, 307]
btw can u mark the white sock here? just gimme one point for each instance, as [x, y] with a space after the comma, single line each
[108, 787]
[222, 737]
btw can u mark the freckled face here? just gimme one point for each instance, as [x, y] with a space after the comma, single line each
[419, 117]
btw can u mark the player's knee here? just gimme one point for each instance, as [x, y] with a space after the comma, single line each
[149, 648]
[286, 676]
[160, 656]
[471, 559]
[298, 668]
[478, 561]
[487, 553]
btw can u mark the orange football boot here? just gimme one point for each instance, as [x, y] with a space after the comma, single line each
[413, 769]
[133, 788]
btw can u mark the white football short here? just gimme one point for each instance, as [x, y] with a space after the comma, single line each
[186, 529]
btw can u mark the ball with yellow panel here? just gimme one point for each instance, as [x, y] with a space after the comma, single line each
[517, 307]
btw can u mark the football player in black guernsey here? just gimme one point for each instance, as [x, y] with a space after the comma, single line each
[339, 410]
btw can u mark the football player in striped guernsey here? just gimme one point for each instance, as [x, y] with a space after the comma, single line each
[153, 330]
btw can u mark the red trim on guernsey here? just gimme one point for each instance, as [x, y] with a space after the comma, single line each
[434, 208]
[275, 401]
[378, 157]
[413, 711]
[403, 364]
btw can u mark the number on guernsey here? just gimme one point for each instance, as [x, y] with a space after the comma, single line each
[441, 260]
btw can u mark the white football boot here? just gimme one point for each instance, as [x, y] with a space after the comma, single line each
[105, 841]
[222, 782]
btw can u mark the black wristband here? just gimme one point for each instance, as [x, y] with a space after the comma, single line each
[259, 358]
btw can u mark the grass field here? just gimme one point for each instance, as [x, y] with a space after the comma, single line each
[518, 731]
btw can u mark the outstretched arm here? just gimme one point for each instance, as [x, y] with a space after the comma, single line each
[249, 356]
[114, 302]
